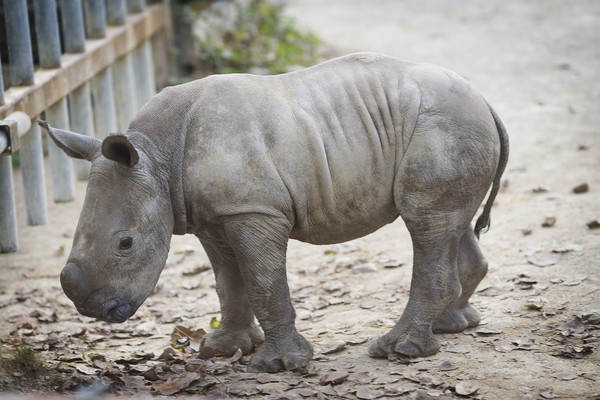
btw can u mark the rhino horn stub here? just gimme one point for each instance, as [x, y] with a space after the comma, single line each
[119, 149]
[74, 144]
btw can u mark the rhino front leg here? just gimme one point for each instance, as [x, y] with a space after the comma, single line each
[260, 244]
[238, 328]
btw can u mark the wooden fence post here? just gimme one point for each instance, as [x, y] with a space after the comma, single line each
[19, 45]
[32, 173]
[1, 84]
[105, 112]
[80, 106]
[144, 73]
[116, 12]
[95, 19]
[124, 86]
[81, 120]
[48, 39]
[61, 165]
[8, 215]
[100, 91]
[9, 241]
[136, 6]
[31, 152]
[71, 18]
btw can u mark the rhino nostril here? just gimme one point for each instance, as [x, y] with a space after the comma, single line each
[120, 312]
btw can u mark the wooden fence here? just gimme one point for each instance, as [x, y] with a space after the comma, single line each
[83, 65]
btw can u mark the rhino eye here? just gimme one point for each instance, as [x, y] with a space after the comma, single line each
[125, 243]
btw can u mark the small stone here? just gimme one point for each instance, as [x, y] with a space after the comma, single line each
[526, 231]
[593, 224]
[549, 222]
[581, 188]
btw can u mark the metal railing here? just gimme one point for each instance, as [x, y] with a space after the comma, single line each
[94, 86]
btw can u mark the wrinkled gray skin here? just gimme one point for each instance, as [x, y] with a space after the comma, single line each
[322, 155]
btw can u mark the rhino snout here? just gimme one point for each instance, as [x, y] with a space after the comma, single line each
[89, 296]
[74, 284]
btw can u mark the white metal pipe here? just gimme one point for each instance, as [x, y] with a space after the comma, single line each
[32, 174]
[8, 213]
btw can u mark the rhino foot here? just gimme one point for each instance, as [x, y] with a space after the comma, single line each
[225, 342]
[456, 320]
[419, 344]
[287, 355]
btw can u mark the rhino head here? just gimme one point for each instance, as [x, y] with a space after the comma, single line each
[123, 235]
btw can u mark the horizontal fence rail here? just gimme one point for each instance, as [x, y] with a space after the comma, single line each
[85, 66]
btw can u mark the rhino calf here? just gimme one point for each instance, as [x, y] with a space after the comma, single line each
[322, 155]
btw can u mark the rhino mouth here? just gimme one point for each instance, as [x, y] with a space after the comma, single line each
[119, 311]
[115, 310]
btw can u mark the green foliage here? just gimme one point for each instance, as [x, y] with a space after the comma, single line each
[261, 37]
[26, 361]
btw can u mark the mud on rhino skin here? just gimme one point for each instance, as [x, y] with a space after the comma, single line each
[322, 155]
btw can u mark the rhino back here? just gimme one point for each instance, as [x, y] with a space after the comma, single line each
[319, 146]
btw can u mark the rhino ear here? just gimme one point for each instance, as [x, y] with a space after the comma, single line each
[74, 144]
[119, 149]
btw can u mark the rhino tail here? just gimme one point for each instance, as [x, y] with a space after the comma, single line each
[484, 219]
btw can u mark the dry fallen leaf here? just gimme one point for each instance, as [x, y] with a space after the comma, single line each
[333, 347]
[363, 268]
[465, 388]
[214, 323]
[194, 336]
[274, 388]
[196, 270]
[540, 189]
[333, 286]
[447, 366]
[484, 332]
[574, 281]
[541, 261]
[87, 369]
[535, 304]
[525, 344]
[334, 378]
[568, 247]
[236, 356]
[176, 384]
[548, 395]
[366, 393]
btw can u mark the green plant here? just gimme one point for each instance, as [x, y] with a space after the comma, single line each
[261, 36]
[24, 360]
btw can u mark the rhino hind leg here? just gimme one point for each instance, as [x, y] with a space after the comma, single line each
[238, 329]
[435, 284]
[472, 268]
[438, 189]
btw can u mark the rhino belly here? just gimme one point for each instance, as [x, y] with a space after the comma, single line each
[348, 220]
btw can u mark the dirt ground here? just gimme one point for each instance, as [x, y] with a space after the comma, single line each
[538, 64]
